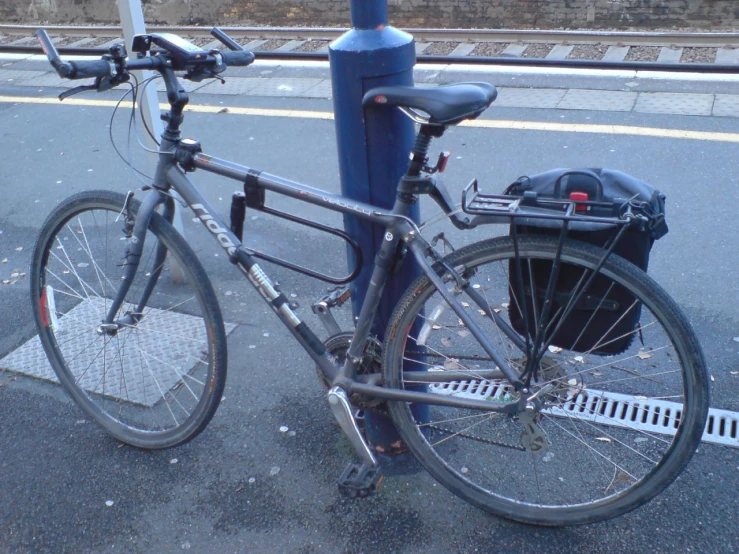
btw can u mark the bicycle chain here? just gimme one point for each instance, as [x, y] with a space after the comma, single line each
[479, 439]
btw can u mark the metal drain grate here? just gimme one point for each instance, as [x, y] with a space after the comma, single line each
[613, 409]
[179, 343]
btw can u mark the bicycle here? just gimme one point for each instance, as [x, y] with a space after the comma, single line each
[497, 412]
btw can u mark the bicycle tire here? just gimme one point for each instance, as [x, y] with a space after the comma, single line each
[154, 384]
[483, 458]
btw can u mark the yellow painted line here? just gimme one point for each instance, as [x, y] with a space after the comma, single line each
[479, 123]
[602, 129]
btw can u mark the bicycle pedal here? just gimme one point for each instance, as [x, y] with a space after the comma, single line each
[360, 480]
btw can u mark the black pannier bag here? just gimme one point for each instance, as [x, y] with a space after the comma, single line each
[611, 330]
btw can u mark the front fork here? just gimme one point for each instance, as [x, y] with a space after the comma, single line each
[134, 251]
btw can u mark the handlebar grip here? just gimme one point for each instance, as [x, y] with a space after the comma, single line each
[243, 57]
[94, 68]
[225, 39]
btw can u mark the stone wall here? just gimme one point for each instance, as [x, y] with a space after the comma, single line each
[484, 14]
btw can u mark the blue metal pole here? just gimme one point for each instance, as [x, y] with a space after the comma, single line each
[373, 152]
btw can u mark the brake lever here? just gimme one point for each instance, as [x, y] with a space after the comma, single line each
[76, 90]
[101, 85]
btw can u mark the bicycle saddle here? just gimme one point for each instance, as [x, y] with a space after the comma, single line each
[445, 105]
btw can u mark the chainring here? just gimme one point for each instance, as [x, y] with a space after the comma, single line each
[338, 345]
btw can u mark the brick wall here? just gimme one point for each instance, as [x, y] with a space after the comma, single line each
[487, 14]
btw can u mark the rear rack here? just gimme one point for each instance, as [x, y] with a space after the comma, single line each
[531, 206]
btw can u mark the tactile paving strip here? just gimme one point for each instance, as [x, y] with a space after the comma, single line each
[609, 100]
[154, 356]
[674, 103]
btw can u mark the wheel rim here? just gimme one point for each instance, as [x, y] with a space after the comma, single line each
[600, 439]
[149, 381]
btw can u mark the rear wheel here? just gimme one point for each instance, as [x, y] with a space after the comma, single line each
[611, 432]
[152, 383]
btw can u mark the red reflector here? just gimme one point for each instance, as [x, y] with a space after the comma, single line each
[42, 306]
[582, 197]
[444, 160]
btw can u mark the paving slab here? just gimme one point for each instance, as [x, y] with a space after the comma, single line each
[609, 100]
[674, 103]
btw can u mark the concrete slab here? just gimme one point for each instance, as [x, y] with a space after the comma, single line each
[674, 103]
[421, 46]
[726, 105]
[669, 55]
[727, 55]
[514, 50]
[605, 100]
[559, 52]
[290, 46]
[615, 53]
[529, 98]
[463, 49]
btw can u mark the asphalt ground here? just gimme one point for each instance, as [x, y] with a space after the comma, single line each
[59, 471]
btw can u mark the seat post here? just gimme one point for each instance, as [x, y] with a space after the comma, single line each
[420, 150]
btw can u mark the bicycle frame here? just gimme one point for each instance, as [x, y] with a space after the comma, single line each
[398, 228]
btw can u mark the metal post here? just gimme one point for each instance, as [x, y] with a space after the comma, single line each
[132, 21]
[373, 152]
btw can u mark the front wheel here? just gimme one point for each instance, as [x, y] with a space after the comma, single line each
[156, 380]
[615, 423]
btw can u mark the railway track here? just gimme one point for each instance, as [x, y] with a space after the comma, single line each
[712, 52]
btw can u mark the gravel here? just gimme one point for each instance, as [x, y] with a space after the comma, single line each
[537, 51]
[440, 48]
[312, 45]
[698, 55]
[489, 49]
[588, 52]
[643, 54]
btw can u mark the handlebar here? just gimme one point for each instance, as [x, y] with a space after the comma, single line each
[110, 66]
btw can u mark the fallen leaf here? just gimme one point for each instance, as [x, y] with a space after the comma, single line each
[642, 398]
[241, 488]
[284, 429]
[5, 260]
[555, 349]
[603, 439]
[580, 359]
[19, 249]
[465, 304]
[644, 355]
[463, 333]
[712, 379]
[446, 342]
[436, 327]
[572, 382]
